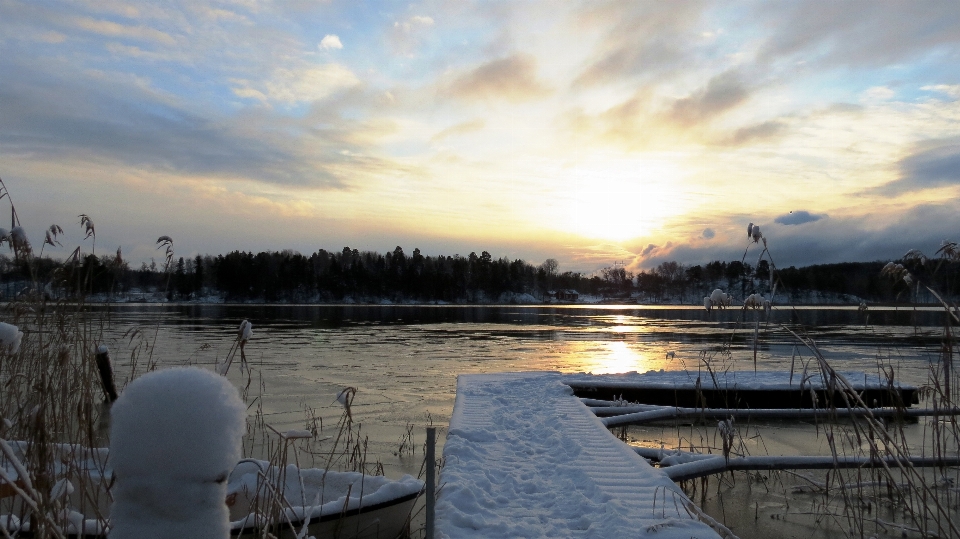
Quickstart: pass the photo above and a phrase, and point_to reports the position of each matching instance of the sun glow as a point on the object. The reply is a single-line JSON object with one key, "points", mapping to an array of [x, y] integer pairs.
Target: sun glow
{"points": [[620, 200]]}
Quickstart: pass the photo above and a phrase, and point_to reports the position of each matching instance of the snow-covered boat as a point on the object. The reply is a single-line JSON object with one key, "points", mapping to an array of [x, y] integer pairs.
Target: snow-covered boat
{"points": [[341, 505]]}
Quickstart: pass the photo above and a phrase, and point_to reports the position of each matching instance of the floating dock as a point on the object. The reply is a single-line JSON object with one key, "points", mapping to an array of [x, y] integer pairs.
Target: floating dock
{"points": [[525, 458], [743, 389]]}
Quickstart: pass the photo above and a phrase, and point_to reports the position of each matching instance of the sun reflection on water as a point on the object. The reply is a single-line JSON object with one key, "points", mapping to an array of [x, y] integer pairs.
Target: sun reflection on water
{"points": [[613, 357]]}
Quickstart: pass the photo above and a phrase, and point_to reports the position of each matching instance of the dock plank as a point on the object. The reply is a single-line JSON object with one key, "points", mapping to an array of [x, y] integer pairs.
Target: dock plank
{"points": [[525, 458]]}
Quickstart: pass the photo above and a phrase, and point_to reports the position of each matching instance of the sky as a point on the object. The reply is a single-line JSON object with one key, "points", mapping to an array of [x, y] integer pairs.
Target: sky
{"points": [[589, 132]]}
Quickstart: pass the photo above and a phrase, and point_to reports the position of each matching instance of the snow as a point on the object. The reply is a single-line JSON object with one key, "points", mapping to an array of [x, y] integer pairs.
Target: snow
{"points": [[18, 238], [524, 458], [10, 337], [175, 437], [245, 331], [743, 380], [67, 460]]}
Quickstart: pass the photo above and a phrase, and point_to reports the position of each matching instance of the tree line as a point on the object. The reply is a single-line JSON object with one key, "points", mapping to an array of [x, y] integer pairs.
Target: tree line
{"points": [[351, 274], [323, 276]]}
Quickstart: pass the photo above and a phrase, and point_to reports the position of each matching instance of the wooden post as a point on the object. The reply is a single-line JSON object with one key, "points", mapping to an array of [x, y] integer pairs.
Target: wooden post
{"points": [[431, 480], [106, 374]]}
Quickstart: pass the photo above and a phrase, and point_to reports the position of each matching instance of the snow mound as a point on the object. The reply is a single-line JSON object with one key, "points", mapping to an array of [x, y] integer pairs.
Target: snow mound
{"points": [[174, 438]]}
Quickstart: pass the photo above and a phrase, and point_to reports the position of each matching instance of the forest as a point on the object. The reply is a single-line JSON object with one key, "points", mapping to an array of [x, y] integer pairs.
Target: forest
{"points": [[368, 276]]}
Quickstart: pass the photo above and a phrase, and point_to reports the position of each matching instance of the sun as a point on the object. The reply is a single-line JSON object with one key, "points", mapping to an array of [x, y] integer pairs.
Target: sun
{"points": [[621, 200]]}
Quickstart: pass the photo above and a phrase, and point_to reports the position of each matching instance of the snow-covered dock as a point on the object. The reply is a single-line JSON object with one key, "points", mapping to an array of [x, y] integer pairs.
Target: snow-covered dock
{"points": [[525, 458], [741, 389]]}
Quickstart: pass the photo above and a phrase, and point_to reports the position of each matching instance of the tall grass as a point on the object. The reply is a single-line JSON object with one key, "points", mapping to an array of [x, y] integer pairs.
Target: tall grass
{"points": [[54, 407], [887, 496], [51, 398]]}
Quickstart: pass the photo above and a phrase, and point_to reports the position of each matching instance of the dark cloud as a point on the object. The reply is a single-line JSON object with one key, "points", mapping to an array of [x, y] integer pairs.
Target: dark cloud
{"points": [[857, 33], [933, 164], [833, 240], [798, 217], [61, 113], [708, 234], [513, 78], [722, 93]]}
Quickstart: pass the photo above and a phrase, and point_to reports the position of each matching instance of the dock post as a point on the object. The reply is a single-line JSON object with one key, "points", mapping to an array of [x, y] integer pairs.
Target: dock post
{"points": [[431, 480]]}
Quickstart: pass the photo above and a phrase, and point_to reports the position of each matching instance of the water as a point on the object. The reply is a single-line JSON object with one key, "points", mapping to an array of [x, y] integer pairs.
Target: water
{"points": [[404, 360]]}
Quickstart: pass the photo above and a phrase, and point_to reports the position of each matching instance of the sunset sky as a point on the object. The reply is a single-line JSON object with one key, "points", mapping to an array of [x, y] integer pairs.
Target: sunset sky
{"points": [[590, 132]]}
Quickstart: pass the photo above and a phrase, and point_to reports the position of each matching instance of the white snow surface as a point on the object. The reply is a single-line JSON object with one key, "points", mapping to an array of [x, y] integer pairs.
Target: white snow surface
{"points": [[525, 458], [745, 380], [174, 437]]}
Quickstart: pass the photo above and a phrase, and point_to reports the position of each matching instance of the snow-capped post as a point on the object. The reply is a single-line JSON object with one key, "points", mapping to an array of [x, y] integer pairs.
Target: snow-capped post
{"points": [[105, 367], [431, 466], [174, 438]]}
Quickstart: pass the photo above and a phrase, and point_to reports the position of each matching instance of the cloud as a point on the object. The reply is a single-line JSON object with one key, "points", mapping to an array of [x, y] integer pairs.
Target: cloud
{"points": [[116, 30], [935, 163], [298, 85], [722, 93], [758, 132], [512, 78], [406, 36], [708, 234], [642, 39], [420, 20], [885, 233], [648, 250], [951, 90], [64, 115], [52, 37], [845, 33], [330, 41], [460, 129], [798, 217]]}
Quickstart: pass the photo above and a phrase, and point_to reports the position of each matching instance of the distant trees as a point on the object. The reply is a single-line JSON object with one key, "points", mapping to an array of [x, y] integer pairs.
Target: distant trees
{"points": [[336, 275], [618, 281], [673, 281], [331, 276]]}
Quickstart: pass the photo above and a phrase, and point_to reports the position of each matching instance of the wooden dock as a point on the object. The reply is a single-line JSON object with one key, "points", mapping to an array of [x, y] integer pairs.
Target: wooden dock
{"points": [[525, 458], [749, 389]]}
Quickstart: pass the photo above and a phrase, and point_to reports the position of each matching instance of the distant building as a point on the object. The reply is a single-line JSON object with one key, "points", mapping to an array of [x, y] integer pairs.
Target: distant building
{"points": [[568, 295]]}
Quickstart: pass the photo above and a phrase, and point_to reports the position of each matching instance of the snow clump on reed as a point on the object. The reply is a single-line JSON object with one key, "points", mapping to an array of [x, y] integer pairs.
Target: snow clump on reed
{"points": [[718, 298], [10, 337]]}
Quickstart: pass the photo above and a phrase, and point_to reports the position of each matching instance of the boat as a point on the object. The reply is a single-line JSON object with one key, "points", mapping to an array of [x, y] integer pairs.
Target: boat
{"points": [[342, 505], [260, 497]]}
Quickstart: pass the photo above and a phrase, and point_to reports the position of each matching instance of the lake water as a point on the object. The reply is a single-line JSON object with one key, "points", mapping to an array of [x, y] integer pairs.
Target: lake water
{"points": [[404, 360]]}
